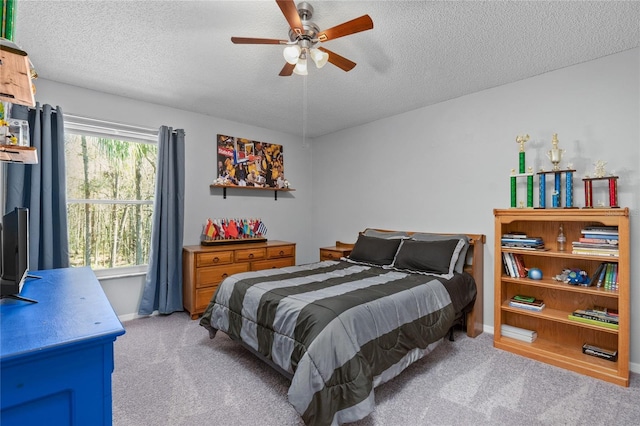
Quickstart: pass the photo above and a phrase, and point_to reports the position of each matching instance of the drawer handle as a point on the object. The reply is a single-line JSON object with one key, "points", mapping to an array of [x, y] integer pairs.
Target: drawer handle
{"points": [[216, 259], [281, 252], [251, 256], [330, 255], [225, 275]]}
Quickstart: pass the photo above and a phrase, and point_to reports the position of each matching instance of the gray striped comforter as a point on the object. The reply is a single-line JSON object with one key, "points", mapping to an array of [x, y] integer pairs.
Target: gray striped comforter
{"points": [[339, 328]]}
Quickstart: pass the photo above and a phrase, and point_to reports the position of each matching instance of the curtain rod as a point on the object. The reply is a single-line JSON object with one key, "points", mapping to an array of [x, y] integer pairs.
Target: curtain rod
{"points": [[96, 126]]}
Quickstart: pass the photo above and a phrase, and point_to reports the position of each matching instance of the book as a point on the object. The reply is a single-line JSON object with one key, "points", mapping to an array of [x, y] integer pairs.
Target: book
{"points": [[509, 265], [518, 333], [603, 271], [600, 230], [592, 322], [601, 318], [514, 234], [595, 252], [528, 306], [523, 298], [594, 245], [596, 275], [519, 260], [609, 241], [608, 237], [608, 354]]}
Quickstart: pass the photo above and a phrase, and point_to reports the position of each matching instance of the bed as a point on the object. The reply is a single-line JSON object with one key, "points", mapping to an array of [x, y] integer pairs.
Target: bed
{"points": [[339, 328]]}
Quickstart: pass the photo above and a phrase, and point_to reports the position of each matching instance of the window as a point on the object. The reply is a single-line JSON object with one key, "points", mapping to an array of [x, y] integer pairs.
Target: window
{"points": [[111, 173]]}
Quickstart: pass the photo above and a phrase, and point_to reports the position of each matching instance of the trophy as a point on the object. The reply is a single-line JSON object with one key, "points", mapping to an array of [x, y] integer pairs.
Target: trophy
{"points": [[555, 154]]}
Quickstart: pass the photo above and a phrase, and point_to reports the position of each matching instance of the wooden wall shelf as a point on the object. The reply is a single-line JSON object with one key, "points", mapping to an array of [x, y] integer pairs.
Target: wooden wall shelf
{"points": [[251, 188], [15, 75], [18, 154]]}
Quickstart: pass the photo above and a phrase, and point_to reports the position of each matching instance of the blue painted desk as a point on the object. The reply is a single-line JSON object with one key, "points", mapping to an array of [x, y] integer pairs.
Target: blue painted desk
{"points": [[56, 356]]}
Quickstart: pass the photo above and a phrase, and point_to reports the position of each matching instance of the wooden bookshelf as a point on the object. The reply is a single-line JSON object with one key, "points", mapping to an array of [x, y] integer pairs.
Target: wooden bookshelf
{"points": [[560, 339]]}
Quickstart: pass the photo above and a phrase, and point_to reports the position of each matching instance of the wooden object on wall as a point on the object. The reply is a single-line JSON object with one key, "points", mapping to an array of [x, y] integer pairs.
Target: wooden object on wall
{"points": [[18, 154], [15, 76]]}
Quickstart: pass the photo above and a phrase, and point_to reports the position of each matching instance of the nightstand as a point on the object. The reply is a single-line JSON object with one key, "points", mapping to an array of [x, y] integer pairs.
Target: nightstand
{"points": [[336, 252]]}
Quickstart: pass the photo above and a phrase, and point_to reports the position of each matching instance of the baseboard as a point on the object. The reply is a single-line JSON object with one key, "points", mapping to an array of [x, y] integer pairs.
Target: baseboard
{"points": [[129, 317]]}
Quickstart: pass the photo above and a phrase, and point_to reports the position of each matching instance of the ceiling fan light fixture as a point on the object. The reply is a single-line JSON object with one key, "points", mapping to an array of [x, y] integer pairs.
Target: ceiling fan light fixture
{"points": [[291, 54], [319, 57], [301, 67]]}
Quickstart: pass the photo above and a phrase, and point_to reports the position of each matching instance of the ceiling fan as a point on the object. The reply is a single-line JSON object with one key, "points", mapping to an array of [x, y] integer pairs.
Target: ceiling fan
{"points": [[304, 35]]}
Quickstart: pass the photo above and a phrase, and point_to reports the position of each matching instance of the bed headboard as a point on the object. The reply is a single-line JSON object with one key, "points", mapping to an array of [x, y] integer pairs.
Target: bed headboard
{"points": [[474, 265]]}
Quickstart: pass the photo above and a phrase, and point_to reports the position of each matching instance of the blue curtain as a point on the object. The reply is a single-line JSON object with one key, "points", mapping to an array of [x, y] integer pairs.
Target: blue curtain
{"points": [[42, 188], [163, 284]]}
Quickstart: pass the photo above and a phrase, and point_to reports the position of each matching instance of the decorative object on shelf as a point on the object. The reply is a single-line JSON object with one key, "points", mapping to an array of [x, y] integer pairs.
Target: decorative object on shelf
{"points": [[521, 139], [244, 162], [535, 274], [561, 240], [233, 230], [599, 173], [555, 154]]}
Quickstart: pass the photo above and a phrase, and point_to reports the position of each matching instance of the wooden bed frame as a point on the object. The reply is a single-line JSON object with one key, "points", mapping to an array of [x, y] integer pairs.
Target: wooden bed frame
{"points": [[473, 265]]}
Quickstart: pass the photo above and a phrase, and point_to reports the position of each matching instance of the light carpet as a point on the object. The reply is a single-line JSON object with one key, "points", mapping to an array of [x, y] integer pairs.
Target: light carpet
{"points": [[168, 372]]}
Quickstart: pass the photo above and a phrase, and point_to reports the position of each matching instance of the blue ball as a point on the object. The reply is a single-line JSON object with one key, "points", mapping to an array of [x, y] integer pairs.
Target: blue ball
{"points": [[535, 274]]}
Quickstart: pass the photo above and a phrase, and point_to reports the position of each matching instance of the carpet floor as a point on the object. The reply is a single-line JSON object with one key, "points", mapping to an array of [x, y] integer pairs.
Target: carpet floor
{"points": [[168, 372]]}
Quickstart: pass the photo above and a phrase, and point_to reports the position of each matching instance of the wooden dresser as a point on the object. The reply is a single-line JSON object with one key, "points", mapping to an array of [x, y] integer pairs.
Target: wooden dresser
{"points": [[204, 267]]}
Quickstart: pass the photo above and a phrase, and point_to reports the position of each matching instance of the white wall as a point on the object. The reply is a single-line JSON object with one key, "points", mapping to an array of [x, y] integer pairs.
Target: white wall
{"points": [[445, 168], [288, 218]]}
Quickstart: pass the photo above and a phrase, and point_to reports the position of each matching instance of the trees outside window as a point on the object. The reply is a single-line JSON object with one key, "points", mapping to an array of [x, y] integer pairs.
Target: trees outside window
{"points": [[110, 190]]}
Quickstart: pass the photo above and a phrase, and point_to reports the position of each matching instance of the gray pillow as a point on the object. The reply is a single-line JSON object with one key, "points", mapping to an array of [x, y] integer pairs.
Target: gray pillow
{"points": [[385, 234], [437, 257], [377, 251], [462, 257]]}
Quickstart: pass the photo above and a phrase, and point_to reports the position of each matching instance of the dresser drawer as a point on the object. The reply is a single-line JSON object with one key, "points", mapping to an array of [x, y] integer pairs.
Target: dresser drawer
{"points": [[206, 277], [214, 258], [282, 251], [246, 255], [326, 254], [272, 263], [203, 297]]}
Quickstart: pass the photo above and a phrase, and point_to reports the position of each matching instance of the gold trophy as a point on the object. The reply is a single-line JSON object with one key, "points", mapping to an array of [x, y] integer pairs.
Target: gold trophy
{"points": [[555, 154]]}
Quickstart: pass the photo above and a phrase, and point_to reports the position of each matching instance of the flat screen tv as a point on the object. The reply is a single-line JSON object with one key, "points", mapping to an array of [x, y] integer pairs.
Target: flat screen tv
{"points": [[15, 253]]}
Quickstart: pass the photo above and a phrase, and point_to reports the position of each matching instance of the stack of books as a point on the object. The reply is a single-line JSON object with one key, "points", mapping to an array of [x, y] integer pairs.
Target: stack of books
{"points": [[520, 240], [596, 316], [518, 333], [597, 241], [606, 276], [526, 302]]}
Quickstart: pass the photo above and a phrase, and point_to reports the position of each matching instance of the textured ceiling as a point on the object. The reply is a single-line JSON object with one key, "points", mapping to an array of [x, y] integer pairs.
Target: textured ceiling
{"points": [[179, 53]]}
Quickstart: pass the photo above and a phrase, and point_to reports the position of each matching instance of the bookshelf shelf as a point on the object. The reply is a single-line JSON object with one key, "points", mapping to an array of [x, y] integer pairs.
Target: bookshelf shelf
{"points": [[560, 339]]}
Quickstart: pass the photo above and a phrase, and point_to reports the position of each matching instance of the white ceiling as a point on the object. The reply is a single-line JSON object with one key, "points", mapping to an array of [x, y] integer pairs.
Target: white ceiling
{"points": [[178, 53]]}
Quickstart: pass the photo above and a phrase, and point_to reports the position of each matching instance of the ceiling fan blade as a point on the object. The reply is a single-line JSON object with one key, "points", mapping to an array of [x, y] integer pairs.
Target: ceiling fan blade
{"points": [[287, 70], [250, 40], [339, 61], [362, 23], [290, 12]]}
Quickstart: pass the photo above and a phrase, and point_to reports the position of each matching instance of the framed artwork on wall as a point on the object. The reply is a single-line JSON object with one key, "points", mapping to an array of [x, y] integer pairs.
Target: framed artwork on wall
{"points": [[244, 162]]}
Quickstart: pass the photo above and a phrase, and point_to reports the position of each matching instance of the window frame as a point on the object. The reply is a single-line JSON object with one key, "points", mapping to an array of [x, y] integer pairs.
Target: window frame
{"points": [[80, 125]]}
